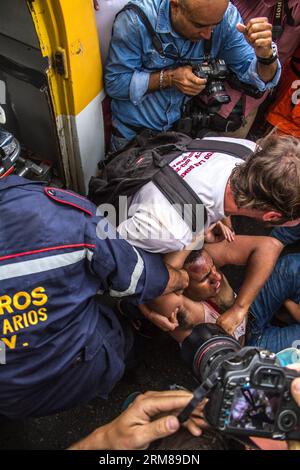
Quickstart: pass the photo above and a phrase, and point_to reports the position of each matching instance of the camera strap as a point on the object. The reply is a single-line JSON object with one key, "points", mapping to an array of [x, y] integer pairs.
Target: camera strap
{"points": [[157, 43], [281, 8], [207, 48], [199, 394]]}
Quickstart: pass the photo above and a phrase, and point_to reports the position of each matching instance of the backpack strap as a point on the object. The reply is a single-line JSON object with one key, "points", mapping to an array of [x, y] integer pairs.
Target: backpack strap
{"points": [[178, 192], [180, 195], [230, 148]]}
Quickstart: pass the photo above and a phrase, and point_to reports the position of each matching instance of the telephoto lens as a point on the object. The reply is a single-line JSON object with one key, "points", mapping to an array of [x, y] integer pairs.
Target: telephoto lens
{"points": [[205, 349]]}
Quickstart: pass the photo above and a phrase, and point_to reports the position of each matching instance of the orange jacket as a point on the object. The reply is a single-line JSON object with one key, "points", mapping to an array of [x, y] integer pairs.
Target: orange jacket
{"points": [[285, 111]]}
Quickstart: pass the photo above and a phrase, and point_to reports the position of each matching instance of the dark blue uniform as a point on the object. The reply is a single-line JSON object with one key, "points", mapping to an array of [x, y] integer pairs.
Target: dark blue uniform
{"points": [[62, 347]]}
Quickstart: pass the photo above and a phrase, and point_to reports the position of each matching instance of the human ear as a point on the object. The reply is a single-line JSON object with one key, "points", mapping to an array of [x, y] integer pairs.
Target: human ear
{"points": [[271, 216]]}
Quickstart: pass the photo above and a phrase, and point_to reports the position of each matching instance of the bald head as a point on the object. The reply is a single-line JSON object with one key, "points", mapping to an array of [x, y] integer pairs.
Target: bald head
{"points": [[195, 19], [209, 10]]}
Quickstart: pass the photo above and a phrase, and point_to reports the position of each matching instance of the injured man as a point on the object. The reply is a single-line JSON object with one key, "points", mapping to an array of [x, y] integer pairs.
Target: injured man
{"points": [[209, 295]]}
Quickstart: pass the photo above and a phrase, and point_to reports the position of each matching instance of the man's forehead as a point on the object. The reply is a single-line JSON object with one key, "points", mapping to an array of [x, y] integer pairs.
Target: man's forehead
{"points": [[203, 265]]}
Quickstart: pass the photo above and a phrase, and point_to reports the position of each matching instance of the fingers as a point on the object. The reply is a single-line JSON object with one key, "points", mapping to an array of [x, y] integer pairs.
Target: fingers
{"points": [[173, 400], [187, 82], [154, 403], [96, 4], [193, 428], [258, 24], [196, 421], [182, 393], [228, 234], [241, 28], [157, 429], [229, 326], [296, 390], [258, 33], [294, 367], [165, 324]]}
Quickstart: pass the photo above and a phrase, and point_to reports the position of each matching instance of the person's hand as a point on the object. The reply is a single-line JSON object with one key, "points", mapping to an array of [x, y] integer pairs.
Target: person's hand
{"points": [[186, 81], [96, 4], [231, 319], [219, 232], [163, 323], [258, 33], [295, 390], [151, 416], [227, 232]]}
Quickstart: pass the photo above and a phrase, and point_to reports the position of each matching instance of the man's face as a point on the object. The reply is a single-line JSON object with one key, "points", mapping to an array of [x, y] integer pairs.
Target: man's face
{"points": [[195, 19], [205, 280]]}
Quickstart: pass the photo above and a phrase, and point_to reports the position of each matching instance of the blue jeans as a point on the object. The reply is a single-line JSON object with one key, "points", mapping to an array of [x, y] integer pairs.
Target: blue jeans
{"points": [[283, 284]]}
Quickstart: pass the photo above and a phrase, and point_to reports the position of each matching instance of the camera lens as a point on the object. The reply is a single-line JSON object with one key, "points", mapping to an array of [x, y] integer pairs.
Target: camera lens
{"points": [[287, 420], [217, 95], [204, 350]]}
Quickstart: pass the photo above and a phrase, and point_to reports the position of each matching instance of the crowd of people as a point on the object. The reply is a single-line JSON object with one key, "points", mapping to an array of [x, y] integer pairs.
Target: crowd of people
{"points": [[64, 346]]}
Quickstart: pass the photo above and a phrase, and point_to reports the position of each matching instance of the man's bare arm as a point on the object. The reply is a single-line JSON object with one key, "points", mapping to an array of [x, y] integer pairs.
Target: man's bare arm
{"points": [[240, 251], [260, 254]]}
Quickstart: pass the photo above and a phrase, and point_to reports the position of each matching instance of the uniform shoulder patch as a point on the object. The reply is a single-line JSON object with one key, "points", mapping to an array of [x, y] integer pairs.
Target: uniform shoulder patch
{"points": [[63, 196]]}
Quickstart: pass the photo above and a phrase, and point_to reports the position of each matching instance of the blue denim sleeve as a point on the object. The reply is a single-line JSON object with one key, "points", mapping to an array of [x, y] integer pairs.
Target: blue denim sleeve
{"points": [[239, 55], [124, 75], [287, 235]]}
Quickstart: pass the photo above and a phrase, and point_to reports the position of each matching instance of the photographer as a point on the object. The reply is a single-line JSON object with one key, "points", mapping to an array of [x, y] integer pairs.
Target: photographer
{"points": [[137, 427], [148, 87]]}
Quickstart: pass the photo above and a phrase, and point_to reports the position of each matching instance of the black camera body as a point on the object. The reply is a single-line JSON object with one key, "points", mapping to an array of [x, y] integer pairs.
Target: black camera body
{"points": [[253, 398], [216, 73], [251, 393]]}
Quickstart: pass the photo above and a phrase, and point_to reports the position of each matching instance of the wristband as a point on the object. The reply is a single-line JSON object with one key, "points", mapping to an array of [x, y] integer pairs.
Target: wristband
{"points": [[269, 60], [161, 80]]}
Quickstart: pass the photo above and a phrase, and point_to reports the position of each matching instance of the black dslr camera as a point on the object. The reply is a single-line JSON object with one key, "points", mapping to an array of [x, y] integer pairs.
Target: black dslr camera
{"points": [[249, 392], [216, 73]]}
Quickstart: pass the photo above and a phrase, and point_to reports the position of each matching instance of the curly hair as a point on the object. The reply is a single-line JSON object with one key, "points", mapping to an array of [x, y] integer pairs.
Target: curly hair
{"points": [[270, 178]]}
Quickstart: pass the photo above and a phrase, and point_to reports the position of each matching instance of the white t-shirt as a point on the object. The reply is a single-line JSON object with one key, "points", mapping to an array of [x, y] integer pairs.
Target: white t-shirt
{"points": [[155, 225]]}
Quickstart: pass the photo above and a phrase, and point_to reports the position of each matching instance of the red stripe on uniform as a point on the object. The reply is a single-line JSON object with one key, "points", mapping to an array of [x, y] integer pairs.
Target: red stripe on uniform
{"points": [[44, 250]]}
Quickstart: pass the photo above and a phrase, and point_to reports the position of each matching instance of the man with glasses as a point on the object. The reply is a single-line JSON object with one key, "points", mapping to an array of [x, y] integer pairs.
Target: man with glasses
{"points": [[149, 68]]}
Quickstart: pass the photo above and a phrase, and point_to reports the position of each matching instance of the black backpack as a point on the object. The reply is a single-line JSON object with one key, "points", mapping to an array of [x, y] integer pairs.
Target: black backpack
{"points": [[147, 158]]}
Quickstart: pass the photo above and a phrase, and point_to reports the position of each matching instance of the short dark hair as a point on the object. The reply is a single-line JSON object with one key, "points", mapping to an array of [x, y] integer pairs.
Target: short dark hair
{"points": [[193, 256], [270, 178]]}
